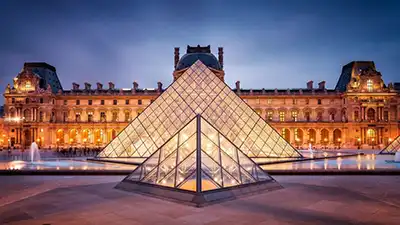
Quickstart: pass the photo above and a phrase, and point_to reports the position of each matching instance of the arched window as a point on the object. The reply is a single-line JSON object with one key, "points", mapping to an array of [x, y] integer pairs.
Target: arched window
{"points": [[28, 85], [90, 117], [370, 85], [294, 115], [114, 116], [27, 114], [371, 114], [127, 116]]}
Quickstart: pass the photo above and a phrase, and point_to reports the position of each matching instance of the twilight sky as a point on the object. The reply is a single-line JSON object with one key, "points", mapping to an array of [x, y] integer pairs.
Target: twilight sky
{"points": [[270, 44]]}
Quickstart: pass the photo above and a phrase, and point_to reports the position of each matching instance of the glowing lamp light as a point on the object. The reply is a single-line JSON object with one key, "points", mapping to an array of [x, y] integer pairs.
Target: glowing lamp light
{"points": [[311, 139], [326, 139], [390, 140], [58, 139], [338, 139], [359, 139]]}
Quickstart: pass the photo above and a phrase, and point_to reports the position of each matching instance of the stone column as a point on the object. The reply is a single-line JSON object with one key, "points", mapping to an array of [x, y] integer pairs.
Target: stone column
{"points": [[362, 135], [317, 136]]}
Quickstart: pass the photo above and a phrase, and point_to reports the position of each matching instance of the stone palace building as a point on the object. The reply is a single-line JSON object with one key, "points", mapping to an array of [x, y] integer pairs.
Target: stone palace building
{"points": [[361, 111]]}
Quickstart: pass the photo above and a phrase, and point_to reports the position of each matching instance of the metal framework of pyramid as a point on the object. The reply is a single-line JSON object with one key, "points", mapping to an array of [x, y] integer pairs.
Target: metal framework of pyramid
{"points": [[198, 91], [198, 166], [392, 147]]}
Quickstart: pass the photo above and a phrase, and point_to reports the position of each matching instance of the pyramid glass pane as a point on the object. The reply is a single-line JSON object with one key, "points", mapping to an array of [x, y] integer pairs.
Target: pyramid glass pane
{"points": [[217, 161], [199, 91], [392, 147]]}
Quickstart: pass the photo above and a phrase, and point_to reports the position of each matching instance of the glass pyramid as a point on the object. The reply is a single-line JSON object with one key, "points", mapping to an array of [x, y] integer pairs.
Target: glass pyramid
{"points": [[198, 159], [198, 91], [393, 147]]}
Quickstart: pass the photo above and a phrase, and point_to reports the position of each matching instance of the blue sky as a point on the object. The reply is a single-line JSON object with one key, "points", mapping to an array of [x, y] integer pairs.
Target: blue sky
{"points": [[267, 44]]}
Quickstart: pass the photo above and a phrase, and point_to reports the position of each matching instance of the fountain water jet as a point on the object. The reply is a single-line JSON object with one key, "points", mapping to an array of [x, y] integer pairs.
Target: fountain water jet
{"points": [[35, 155]]}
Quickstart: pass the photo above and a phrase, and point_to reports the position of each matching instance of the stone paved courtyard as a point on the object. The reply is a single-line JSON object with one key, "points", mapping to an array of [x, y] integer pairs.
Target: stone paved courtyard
{"points": [[304, 200]]}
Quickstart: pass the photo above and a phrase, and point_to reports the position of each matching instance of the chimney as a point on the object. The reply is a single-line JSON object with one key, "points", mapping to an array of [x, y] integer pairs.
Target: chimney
{"points": [[75, 86], [99, 86], [321, 85], [87, 86], [221, 56], [159, 87], [237, 85], [310, 84], [176, 59], [135, 85], [111, 85]]}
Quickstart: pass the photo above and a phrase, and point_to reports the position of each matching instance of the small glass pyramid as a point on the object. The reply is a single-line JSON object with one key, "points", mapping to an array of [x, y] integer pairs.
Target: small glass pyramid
{"points": [[198, 91], [198, 159], [392, 147]]}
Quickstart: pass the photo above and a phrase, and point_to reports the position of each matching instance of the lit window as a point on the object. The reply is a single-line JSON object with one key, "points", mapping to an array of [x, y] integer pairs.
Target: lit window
{"points": [[282, 116], [90, 116], [269, 115], [28, 85], [294, 116], [269, 101], [370, 85], [294, 101]]}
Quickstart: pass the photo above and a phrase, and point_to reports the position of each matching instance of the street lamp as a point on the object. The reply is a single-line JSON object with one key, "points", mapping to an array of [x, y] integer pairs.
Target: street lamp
{"points": [[326, 143], [359, 143], [339, 140]]}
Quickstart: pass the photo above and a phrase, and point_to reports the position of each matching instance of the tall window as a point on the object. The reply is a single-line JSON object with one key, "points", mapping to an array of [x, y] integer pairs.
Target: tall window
{"points": [[90, 102], [103, 117], [13, 100], [127, 116], [282, 116], [319, 101], [90, 117], [294, 116], [41, 116], [65, 102], [269, 101], [65, 117], [101, 102], [385, 116], [269, 115], [78, 102], [356, 116], [307, 116], [371, 114], [115, 102], [319, 116], [127, 102], [139, 102], [41, 100], [294, 101], [307, 101], [114, 116], [78, 117], [28, 85], [370, 85]]}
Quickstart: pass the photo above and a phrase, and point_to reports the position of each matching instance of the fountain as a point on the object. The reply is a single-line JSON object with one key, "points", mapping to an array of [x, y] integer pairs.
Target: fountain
{"points": [[35, 155], [397, 157], [311, 150]]}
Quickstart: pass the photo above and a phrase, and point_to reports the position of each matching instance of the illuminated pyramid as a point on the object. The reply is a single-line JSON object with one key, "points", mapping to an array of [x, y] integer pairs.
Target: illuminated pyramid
{"points": [[198, 91], [393, 147], [198, 166]]}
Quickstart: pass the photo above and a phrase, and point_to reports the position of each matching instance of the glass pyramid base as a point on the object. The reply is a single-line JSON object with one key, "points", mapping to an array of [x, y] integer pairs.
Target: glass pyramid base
{"points": [[199, 199]]}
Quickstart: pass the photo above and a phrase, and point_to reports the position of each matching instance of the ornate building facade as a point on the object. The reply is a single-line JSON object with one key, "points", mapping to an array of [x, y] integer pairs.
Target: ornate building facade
{"points": [[361, 111]]}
